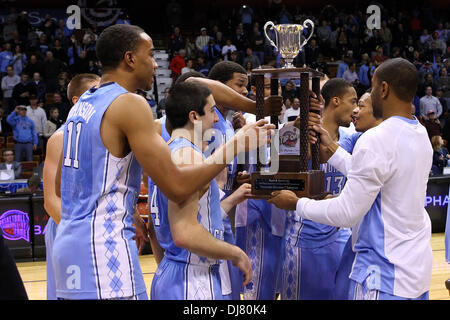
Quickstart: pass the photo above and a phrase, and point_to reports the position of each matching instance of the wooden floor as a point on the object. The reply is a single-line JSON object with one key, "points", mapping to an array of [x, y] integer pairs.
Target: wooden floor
{"points": [[34, 273]]}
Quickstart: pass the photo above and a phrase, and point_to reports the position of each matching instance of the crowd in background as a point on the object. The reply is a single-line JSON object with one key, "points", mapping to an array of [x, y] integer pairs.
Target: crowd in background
{"points": [[36, 63]]}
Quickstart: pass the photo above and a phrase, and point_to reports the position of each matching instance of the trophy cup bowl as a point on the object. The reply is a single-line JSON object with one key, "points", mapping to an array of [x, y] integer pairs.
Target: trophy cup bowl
{"points": [[288, 39]]}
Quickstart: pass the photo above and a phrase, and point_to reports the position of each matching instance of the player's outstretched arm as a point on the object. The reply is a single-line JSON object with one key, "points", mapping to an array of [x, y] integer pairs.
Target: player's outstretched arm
{"points": [[132, 116], [226, 96], [52, 202], [187, 233]]}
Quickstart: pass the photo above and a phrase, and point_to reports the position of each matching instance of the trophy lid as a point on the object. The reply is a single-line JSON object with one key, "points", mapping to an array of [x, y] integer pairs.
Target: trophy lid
{"points": [[287, 73]]}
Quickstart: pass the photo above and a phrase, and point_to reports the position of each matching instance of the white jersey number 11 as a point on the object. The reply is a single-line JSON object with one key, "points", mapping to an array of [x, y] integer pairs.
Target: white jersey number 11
{"points": [[67, 159]]}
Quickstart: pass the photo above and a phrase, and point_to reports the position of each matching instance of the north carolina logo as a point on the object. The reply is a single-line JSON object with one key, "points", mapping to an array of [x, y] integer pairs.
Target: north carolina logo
{"points": [[15, 225], [289, 139]]}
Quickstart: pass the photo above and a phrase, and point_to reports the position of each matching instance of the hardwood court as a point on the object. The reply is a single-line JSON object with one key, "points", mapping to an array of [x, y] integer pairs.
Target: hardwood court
{"points": [[34, 273]]}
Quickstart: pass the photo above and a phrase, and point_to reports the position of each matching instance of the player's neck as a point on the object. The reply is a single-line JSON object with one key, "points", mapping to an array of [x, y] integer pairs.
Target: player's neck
{"points": [[331, 125], [188, 134], [402, 109], [121, 78]]}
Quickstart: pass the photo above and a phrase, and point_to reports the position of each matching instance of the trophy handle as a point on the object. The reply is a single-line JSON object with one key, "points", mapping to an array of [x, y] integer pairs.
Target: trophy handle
{"points": [[270, 23], [307, 21]]}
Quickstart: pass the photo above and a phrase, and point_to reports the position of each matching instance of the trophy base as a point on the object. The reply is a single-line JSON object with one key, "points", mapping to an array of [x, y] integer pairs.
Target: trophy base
{"points": [[308, 184]]}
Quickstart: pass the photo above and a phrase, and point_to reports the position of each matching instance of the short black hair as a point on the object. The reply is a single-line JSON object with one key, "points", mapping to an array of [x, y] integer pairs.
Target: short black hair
{"points": [[335, 87], [187, 75], [185, 97], [402, 77], [114, 41], [224, 70]]}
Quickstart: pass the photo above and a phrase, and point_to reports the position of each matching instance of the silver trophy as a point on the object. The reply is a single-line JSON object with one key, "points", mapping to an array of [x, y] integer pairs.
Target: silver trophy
{"points": [[288, 41]]}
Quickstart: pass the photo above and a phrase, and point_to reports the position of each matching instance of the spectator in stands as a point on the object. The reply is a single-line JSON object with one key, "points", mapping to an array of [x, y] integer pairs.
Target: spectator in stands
{"points": [[5, 128], [33, 66], [81, 64], [202, 40], [43, 44], [212, 51], [430, 103], [9, 29], [189, 66], [62, 106], [23, 25], [323, 34], [227, 49], [190, 48], [39, 118], [246, 14], [19, 61], [443, 82], [444, 103], [33, 182], [290, 91], [257, 43], [59, 52], [440, 155], [202, 66], [440, 46], [239, 39], [292, 113], [425, 38], [428, 82], [343, 66], [40, 86], [363, 74], [252, 58], [312, 52], [8, 84], [23, 90], [6, 57], [178, 63], [386, 34], [10, 164], [350, 75], [52, 68], [379, 57], [25, 137], [53, 123], [432, 124], [176, 42]]}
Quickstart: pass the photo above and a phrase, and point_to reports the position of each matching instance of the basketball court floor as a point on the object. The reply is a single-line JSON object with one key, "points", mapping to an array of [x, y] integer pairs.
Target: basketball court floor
{"points": [[34, 273]]}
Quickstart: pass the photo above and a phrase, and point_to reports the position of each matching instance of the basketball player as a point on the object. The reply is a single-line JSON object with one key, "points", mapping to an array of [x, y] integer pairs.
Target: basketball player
{"points": [[313, 250], [393, 257], [191, 233], [52, 203], [225, 94], [108, 135], [364, 120]]}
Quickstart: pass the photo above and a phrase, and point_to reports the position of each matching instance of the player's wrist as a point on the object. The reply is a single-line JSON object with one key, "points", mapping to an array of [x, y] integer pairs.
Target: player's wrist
{"points": [[332, 148]]}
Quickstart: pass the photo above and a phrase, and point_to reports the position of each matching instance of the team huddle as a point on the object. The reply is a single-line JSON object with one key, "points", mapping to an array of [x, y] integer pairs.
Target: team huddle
{"points": [[368, 239]]}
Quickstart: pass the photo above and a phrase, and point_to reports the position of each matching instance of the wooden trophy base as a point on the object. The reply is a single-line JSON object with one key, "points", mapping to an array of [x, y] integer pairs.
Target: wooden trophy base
{"points": [[308, 184]]}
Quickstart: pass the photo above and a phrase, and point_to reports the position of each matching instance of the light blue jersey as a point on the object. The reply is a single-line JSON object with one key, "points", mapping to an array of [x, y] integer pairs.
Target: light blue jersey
{"points": [[183, 274], [95, 256], [312, 250], [50, 233], [223, 132], [262, 240]]}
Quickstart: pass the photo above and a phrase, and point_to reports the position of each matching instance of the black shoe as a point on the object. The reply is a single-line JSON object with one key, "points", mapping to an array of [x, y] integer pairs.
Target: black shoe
{"points": [[447, 285]]}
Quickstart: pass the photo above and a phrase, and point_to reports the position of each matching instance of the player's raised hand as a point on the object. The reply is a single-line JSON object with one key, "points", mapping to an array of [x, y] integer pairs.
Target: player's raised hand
{"points": [[254, 135], [244, 264], [284, 199], [273, 105]]}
